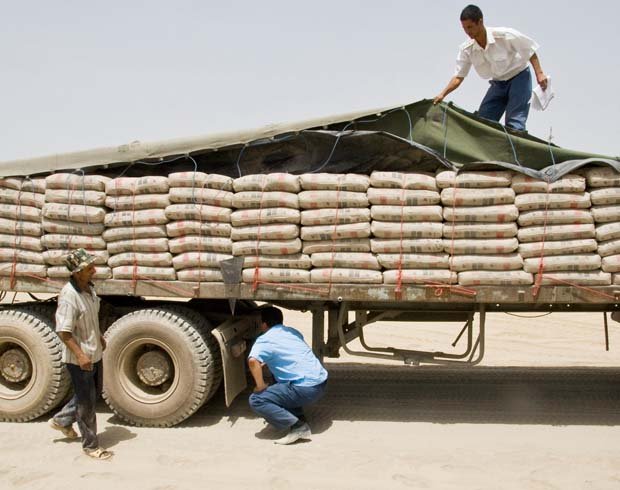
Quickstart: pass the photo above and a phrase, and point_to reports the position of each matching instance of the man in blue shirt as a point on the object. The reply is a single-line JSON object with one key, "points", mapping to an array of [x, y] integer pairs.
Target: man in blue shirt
{"points": [[300, 377]]}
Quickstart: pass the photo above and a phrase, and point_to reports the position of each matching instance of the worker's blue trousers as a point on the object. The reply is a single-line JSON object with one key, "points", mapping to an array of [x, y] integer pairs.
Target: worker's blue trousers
{"points": [[510, 96]]}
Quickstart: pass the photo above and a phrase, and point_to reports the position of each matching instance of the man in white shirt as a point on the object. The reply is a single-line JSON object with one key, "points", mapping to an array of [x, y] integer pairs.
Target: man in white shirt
{"points": [[502, 55], [77, 325]]}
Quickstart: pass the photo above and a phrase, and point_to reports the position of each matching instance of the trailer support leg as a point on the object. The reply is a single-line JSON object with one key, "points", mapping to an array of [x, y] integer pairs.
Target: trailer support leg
{"points": [[318, 332]]}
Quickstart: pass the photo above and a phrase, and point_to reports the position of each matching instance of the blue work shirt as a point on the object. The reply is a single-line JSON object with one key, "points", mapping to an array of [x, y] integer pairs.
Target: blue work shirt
{"points": [[288, 357]]}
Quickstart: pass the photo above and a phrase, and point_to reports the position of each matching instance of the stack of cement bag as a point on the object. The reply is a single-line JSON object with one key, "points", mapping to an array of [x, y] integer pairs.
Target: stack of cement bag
{"points": [[265, 229], [604, 187], [407, 228], [135, 228], [73, 217], [556, 231], [199, 228], [21, 201], [480, 228], [336, 228]]}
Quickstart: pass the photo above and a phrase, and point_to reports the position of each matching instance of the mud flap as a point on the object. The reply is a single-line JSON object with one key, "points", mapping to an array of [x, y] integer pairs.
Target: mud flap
{"points": [[230, 336]]}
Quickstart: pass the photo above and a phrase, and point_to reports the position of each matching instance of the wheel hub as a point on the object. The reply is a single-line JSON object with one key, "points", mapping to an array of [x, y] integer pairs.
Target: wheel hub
{"points": [[15, 366], [154, 368]]}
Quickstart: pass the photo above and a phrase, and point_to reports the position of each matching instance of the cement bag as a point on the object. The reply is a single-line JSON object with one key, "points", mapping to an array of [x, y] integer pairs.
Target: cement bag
{"points": [[555, 217], [503, 213], [27, 213], [406, 213], [474, 230], [346, 260], [128, 186], [326, 182], [200, 275], [402, 197], [605, 214], [414, 261], [212, 197], [526, 202], [270, 232], [138, 201], [420, 276], [134, 232], [15, 227], [267, 274], [267, 247], [335, 232], [136, 218], [267, 182], [11, 196], [560, 247], [481, 246], [145, 259], [569, 183], [149, 245], [495, 278], [500, 262], [200, 180], [257, 199], [616, 279], [611, 263], [23, 242], [198, 212], [344, 245], [22, 270], [609, 195], [400, 180], [555, 232], [296, 261], [573, 263], [386, 229], [23, 184], [58, 240], [603, 177], [477, 197], [71, 227], [345, 276], [57, 257], [75, 181], [591, 278], [329, 199], [265, 216], [187, 227], [23, 256], [78, 196], [609, 231], [78, 213], [333, 216], [471, 179], [408, 245], [144, 273], [195, 243], [190, 260], [57, 272], [611, 247]]}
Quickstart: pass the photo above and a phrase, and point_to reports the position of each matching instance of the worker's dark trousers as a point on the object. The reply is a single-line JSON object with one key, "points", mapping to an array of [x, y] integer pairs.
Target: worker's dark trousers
{"points": [[87, 387], [510, 96], [281, 404]]}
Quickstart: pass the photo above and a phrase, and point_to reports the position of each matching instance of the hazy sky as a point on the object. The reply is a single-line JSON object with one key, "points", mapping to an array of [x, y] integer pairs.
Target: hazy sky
{"points": [[81, 74]]}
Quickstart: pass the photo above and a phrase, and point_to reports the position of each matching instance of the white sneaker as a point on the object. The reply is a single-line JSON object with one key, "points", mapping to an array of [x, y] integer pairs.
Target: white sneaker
{"points": [[294, 435]]}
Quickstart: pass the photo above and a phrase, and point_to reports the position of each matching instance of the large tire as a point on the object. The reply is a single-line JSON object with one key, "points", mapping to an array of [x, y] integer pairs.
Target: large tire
{"points": [[33, 378], [160, 366]]}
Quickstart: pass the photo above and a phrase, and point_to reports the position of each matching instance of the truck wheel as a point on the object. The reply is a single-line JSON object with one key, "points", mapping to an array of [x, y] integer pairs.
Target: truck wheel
{"points": [[160, 365], [33, 378]]}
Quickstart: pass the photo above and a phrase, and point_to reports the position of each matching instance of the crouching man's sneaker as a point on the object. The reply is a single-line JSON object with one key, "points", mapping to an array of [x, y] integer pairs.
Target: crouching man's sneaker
{"points": [[295, 434]]}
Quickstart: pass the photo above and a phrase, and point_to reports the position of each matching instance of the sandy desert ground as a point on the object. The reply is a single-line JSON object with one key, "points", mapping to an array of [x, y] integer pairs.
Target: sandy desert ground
{"points": [[541, 412]]}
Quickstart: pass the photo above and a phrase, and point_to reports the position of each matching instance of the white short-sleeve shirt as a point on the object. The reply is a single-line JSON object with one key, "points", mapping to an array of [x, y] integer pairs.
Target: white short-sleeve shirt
{"points": [[78, 314], [506, 54]]}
